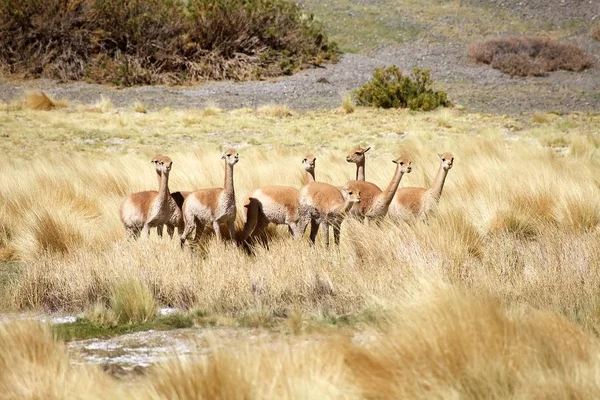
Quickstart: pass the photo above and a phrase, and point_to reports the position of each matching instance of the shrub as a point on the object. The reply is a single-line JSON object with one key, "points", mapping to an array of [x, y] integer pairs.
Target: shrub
{"points": [[131, 42], [529, 55], [390, 89], [595, 32]]}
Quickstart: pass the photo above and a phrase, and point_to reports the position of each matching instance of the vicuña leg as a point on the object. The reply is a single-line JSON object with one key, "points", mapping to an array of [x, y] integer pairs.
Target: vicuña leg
{"points": [[314, 229]]}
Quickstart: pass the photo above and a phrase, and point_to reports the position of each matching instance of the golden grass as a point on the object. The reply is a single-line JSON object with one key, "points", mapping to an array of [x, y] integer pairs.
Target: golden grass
{"points": [[275, 110], [438, 341], [132, 302], [139, 107], [348, 105], [34, 366], [41, 102], [516, 219]]}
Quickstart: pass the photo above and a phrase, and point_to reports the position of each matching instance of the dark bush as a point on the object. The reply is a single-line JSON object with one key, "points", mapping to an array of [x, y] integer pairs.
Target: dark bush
{"points": [[390, 89], [130, 42], [529, 55]]}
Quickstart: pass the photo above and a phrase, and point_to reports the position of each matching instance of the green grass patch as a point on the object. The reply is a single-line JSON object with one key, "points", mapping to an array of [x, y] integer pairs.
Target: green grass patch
{"points": [[86, 329]]}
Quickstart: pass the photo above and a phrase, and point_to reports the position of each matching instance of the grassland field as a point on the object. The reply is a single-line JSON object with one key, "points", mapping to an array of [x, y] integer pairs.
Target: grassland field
{"points": [[516, 235], [495, 296]]}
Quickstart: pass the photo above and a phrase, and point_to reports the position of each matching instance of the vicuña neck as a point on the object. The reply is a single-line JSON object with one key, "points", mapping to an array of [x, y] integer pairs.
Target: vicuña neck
{"points": [[228, 186], [163, 190], [385, 198], [310, 175], [438, 183], [360, 171]]}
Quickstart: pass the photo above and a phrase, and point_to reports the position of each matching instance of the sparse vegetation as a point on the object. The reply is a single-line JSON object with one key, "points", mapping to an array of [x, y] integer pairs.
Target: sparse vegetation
{"points": [[133, 42], [390, 89], [348, 105], [595, 32], [529, 55]]}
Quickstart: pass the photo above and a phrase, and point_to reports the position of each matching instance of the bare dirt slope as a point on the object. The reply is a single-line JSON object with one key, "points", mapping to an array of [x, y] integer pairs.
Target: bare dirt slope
{"points": [[437, 40]]}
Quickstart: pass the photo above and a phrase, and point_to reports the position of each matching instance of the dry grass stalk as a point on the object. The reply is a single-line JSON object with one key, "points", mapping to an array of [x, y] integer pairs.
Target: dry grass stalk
{"points": [[438, 341], [40, 101]]}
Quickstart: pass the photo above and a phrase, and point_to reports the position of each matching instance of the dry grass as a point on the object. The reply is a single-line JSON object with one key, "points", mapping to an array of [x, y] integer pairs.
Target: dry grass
{"points": [[140, 108], [34, 366], [348, 105], [495, 232], [41, 102], [438, 342], [132, 302], [275, 110], [529, 55]]}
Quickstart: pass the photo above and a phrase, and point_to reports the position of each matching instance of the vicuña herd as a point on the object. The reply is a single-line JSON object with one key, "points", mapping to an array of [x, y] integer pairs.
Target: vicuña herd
{"points": [[316, 203]]}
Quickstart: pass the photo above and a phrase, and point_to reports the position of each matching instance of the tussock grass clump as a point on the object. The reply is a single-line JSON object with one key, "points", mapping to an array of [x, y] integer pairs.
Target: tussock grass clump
{"points": [[274, 110], [41, 101], [529, 55], [133, 42], [33, 365], [348, 105], [390, 89], [132, 302], [139, 107]]}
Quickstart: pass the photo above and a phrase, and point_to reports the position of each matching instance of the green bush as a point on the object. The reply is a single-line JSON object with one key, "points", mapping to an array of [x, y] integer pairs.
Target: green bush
{"points": [[390, 89], [131, 42]]}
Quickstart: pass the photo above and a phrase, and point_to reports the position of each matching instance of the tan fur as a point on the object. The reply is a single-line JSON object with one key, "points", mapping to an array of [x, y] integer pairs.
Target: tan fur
{"points": [[357, 156], [212, 206], [148, 209], [274, 204], [374, 201], [414, 202], [321, 203]]}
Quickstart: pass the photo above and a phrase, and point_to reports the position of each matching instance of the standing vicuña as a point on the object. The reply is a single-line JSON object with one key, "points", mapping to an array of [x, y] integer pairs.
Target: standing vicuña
{"points": [[212, 206], [321, 203], [148, 209], [274, 204], [411, 202], [357, 156], [374, 202]]}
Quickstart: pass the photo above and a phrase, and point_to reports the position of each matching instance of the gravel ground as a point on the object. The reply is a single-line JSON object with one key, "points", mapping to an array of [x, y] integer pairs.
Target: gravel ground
{"points": [[476, 86]]}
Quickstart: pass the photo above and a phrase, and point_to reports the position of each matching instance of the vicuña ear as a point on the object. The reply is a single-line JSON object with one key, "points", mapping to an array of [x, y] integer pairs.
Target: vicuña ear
{"points": [[367, 149], [223, 157], [395, 161], [439, 155]]}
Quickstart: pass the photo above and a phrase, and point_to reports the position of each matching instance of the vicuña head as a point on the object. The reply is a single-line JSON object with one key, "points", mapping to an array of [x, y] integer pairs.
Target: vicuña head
{"points": [[404, 164], [351, 194], [447, 160], [162, 164], [231, 156], [308, 163], [357, 156]]}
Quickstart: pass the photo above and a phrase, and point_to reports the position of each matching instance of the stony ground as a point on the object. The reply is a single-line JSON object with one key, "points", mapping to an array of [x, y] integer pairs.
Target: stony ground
{"points": [[475, 86]]}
